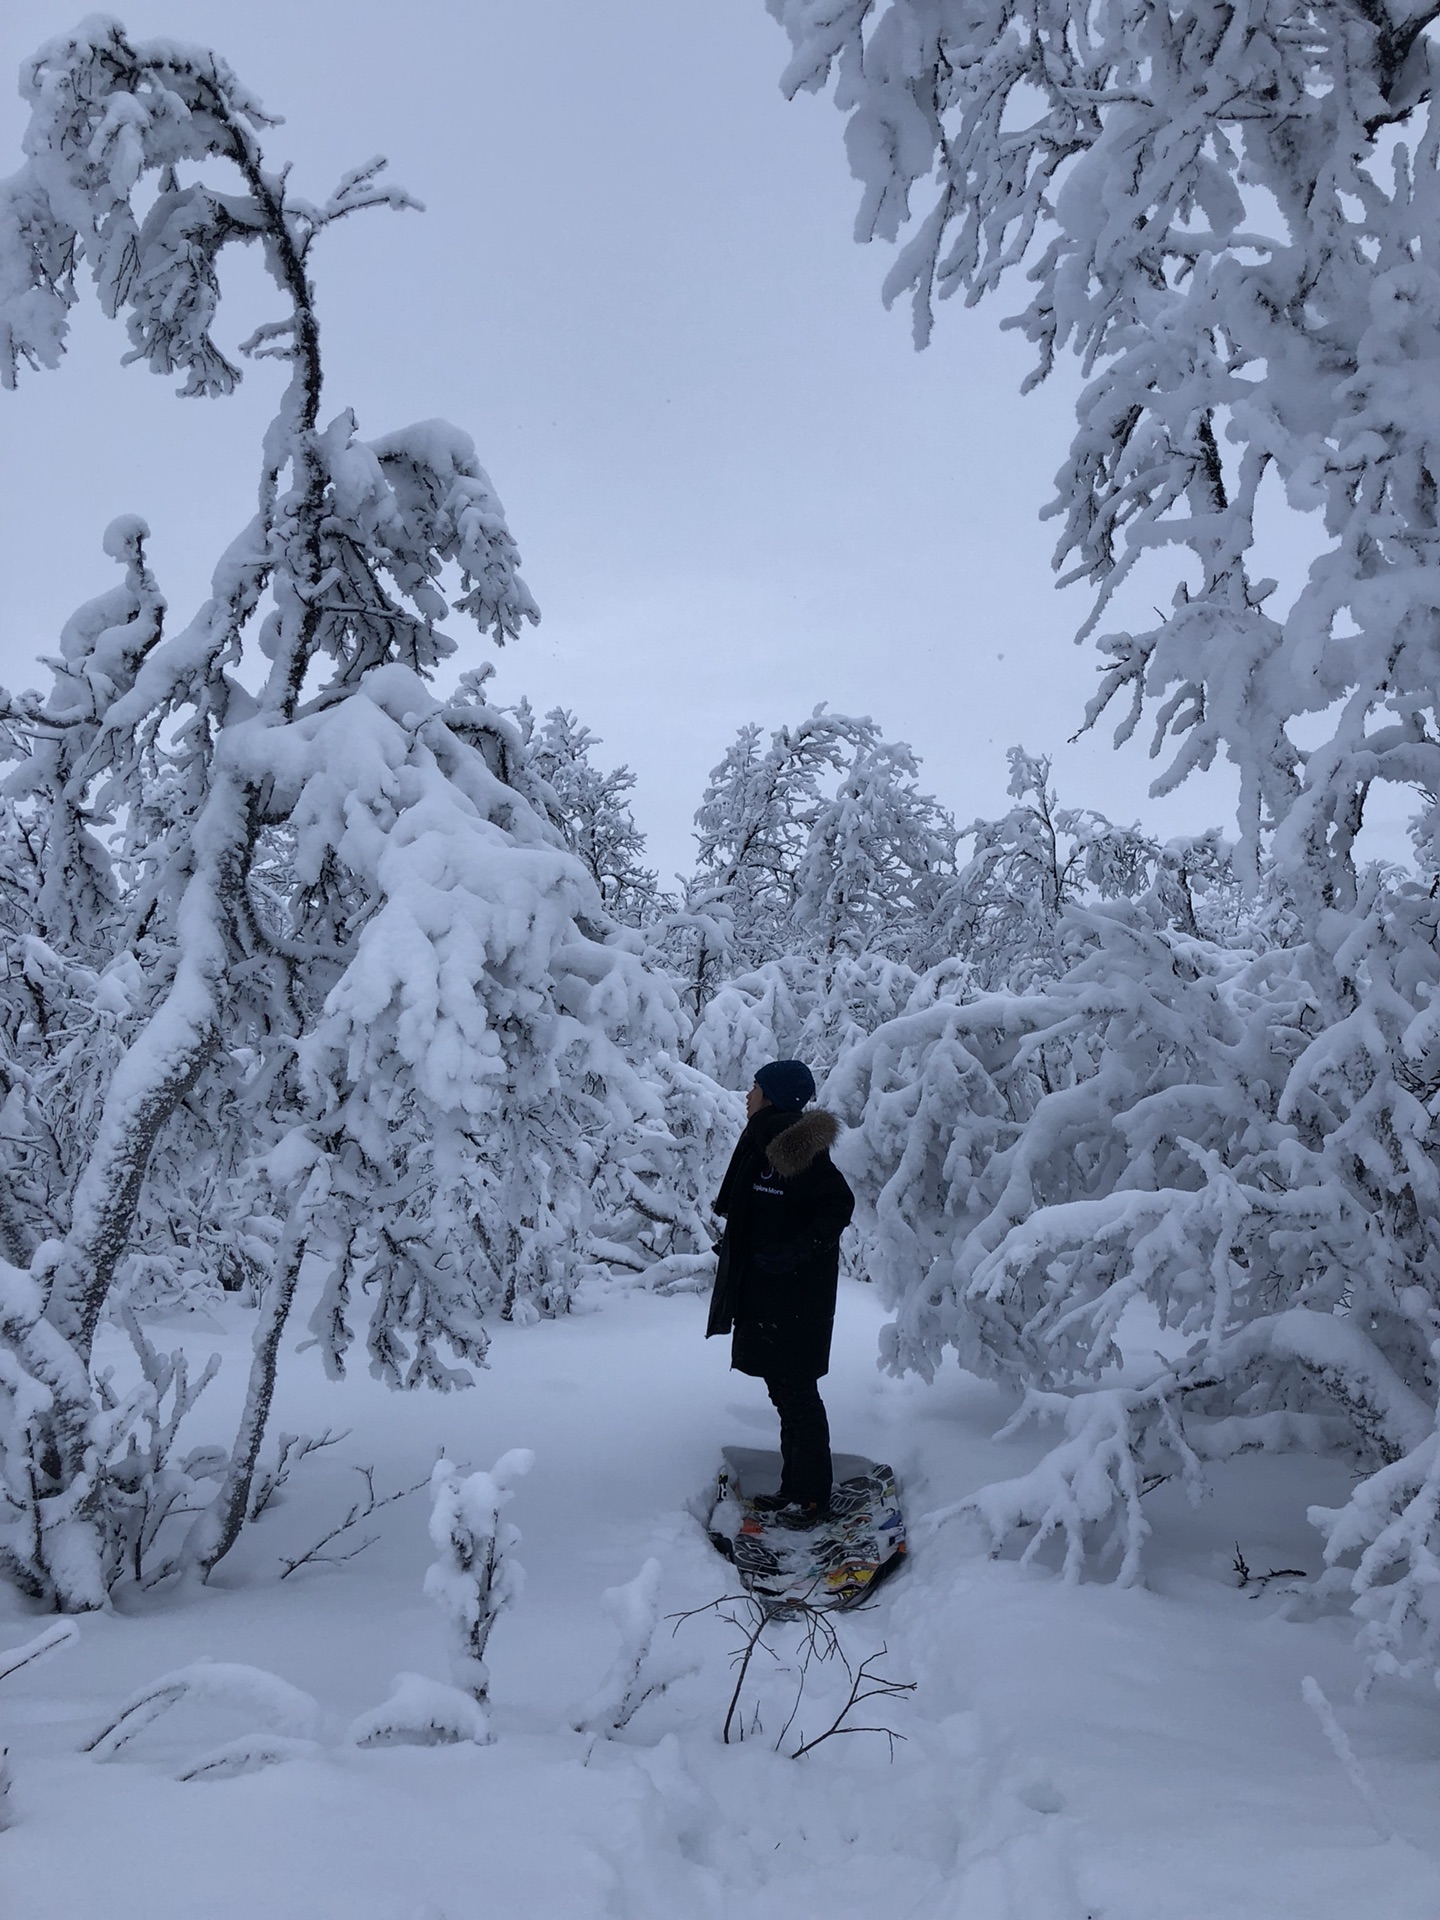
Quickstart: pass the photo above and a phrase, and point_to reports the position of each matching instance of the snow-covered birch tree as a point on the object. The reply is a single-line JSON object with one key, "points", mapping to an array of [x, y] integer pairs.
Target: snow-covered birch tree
{"points": [[326, 933], [821, 863], [750, 831], [1230, 216], [592, 810], [999, 916]]}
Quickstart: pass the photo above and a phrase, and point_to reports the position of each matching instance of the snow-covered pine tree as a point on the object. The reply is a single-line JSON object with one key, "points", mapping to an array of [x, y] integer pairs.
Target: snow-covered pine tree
{"points": [[345, 954], [1231, 218]]}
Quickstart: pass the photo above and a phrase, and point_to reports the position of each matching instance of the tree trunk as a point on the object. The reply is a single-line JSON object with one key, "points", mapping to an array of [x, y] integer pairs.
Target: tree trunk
{"points": [[218, 1528]]}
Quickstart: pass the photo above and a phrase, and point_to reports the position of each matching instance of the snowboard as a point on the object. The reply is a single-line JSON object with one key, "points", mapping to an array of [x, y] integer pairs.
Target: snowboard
{"points": [[833, 1565]]}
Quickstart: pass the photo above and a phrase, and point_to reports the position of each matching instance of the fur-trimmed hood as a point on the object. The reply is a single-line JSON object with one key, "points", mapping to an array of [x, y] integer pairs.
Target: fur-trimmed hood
{"points": [[798, 1147]]}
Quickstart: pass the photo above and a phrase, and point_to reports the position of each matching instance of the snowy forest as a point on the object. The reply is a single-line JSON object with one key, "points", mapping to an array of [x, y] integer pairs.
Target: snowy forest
{"points": [[359, 1065]]}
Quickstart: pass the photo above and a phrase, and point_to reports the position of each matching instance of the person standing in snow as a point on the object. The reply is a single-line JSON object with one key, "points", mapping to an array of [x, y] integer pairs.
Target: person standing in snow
{"points": [[785, 1206]]}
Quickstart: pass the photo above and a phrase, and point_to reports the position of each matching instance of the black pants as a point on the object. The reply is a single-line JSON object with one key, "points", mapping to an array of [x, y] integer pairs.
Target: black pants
{"points": [[804, 1438]]}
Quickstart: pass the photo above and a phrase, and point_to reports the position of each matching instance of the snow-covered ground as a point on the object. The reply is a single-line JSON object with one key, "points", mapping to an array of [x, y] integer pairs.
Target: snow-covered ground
{"points": [[1122, 1755]]}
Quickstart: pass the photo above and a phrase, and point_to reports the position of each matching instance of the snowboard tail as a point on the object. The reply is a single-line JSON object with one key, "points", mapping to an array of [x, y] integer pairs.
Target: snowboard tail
{"points": [[834, 1564]]}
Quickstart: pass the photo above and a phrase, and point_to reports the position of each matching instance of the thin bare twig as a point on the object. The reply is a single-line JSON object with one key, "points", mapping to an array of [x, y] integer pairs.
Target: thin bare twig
{"points": [[821, 1642], [293, 1448], [1245, 1578], [362, 1509], [864, 1685]]}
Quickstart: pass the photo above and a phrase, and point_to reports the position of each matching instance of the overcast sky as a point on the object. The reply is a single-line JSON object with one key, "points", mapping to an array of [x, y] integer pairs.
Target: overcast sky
{"points": [[737, 489]]}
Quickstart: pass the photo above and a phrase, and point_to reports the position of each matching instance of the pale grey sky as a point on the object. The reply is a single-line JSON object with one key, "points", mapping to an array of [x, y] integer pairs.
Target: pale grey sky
{"points": [[737, 489]]}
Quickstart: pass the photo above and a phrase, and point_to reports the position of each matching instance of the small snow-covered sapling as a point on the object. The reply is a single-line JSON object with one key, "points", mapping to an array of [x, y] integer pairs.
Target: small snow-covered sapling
{"points": [[475, 1576]]}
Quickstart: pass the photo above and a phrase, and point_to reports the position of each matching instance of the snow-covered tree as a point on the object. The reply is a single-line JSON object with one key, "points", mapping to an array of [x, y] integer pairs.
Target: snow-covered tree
{"points": [[325, 961], [1231, 218], [876, 855], [821, 888], [750, 829], [475, 1575], [592, 811], [1000, 915], [1171, 1121]]}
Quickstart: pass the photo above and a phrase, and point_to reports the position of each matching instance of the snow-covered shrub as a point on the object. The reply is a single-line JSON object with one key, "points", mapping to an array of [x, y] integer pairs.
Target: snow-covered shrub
{"points": [[62, 1634], [1095, 1476], [476, 1575], [421, 1713], [654, 1186], [1229, 1134], [292, 1717], [1391, 1524]]}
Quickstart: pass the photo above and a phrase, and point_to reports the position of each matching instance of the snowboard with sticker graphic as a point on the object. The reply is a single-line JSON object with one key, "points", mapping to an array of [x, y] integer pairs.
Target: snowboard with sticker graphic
{"points": [[835, 1564]]}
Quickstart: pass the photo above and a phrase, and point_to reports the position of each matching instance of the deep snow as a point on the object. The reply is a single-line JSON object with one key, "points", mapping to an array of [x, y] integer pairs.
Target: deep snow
{"points": [[1124, 1755]]}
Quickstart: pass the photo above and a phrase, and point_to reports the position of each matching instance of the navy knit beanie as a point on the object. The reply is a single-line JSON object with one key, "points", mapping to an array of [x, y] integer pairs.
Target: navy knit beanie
{"points": [[786, 1084]]}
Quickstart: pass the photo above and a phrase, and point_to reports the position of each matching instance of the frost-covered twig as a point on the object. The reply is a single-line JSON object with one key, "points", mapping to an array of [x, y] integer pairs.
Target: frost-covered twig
{"points": [[361, 1509]]}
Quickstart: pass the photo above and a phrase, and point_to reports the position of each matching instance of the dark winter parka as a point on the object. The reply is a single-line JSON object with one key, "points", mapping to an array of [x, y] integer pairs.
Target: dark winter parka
{"points": [[785, 1205]]}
